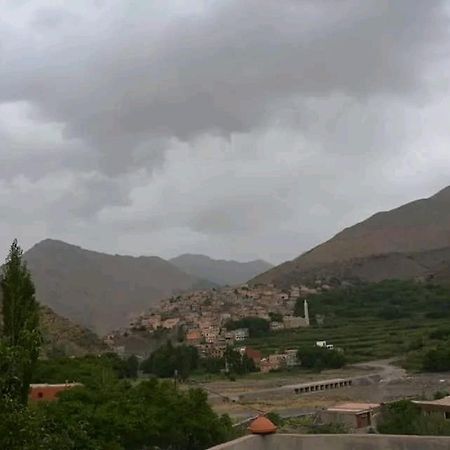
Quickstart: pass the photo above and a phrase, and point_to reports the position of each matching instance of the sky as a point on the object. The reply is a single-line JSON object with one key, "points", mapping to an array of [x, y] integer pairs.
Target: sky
{"points": [[234, 128]]}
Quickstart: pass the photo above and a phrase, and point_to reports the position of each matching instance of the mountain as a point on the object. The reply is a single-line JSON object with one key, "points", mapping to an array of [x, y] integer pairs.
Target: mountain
{"points": [[409, 235], [101, 291], [62, 337], [219, 271]]}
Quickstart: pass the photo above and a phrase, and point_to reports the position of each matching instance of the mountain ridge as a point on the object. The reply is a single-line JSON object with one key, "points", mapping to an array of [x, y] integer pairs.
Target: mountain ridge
{"points": [[220, 271], [419, 226]]}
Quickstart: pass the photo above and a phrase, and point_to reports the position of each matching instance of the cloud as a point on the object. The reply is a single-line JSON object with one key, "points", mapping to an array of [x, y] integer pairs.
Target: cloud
{"points": [[236, 128]]}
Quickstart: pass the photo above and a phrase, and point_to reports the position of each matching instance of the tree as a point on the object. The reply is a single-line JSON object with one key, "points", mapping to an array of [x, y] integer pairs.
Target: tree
{"points": [[169, 358], [132, 366], [320, 358], [257, 326], [21, 335], [404, 417]]}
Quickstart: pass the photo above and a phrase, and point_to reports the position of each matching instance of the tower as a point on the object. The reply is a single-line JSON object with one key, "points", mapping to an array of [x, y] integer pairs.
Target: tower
{"points": [[305, 306]]}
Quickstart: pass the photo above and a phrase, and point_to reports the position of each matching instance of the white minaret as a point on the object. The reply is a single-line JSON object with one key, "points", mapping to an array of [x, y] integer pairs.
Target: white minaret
{"points": [[305, 306]]}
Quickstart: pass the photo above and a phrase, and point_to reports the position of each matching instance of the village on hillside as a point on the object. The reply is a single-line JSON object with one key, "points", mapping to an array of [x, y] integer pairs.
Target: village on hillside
{"points": [[202, 319]]}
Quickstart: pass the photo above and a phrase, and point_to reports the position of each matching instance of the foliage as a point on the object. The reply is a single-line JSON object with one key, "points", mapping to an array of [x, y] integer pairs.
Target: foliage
{"points": [[442, 333], [87, 369], [389, 299], [275, 418], [170, 359], [115, 416], [437, 359], [238, 364], [21, 336], [131, 367], [276, 317], [319, 358], [404, 417], [440, 394], [257, 326]]}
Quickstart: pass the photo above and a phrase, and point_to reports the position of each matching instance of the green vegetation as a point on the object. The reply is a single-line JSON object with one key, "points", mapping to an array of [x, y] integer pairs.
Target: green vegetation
{"points": [[319, 358], [183, 361], [404, 417], [257, 327], [437, 359], [86, 369], [170, 360], [307, 425], [21, 339], [355, 321]]}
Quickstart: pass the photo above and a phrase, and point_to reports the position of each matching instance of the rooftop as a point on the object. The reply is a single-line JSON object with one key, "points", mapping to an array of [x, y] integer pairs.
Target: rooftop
{"points": [[441, 402], [352, 407]]}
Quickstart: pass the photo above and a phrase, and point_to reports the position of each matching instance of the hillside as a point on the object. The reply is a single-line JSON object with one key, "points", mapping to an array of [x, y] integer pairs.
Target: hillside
{"points": [[417, 227], [97, 290], [62, 337], [220, 271]]}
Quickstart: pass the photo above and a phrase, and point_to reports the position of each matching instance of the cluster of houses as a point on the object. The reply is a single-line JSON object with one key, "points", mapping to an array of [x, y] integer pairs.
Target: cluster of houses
{"points": [[201, 316]]}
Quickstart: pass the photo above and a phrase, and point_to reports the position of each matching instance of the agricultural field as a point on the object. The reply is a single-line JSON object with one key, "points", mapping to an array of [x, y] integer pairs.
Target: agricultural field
{"points": [[392, 318]]}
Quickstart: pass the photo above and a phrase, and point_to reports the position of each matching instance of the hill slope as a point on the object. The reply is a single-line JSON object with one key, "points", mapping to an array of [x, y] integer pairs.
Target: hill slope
{"points": [[220, 271], [62, 337], [97, 290], [419, 226]]}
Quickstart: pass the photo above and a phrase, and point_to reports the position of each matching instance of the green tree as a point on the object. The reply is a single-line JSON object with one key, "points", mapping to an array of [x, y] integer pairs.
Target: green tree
{"points": [[169, 359], [257, 326], [132, 366], [404, 417], [319, 358], [21, 333]]}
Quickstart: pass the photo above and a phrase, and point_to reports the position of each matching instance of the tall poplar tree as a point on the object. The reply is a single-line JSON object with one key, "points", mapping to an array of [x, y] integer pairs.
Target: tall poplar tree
{"points": [[21, 336]]}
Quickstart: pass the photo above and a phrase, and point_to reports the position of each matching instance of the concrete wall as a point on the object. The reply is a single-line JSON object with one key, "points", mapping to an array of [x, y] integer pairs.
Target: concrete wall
{"points": [[336, 442]]}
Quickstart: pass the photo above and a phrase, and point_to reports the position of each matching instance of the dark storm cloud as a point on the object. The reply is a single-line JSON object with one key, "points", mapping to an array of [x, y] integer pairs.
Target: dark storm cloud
{"points": [[224, 71]]}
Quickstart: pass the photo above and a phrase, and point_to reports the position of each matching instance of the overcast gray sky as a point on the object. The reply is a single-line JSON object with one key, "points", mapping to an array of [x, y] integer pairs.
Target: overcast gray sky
{"points": [[233, 128]]}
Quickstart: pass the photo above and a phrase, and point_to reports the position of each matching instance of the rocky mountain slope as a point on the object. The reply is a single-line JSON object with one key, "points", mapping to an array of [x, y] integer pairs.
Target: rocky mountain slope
{"points": [[62, 337], [403, 233], [101, 291], [219, 271]]}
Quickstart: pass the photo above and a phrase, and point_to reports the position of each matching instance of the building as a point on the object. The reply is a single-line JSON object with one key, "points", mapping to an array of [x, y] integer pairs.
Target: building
{"points": [[323, 344], [171, 323], [352, 415], [290, 322], [253, 354], [49, 392], [291, 358], [193, 337], [240, 334], [441, 406], [276, 326]]}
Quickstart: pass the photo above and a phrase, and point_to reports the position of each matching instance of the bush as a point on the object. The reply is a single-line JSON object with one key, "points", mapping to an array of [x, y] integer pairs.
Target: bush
{"points": [[169, 359], [437, 359], [320, 358], [404, 417], [257, 326]]}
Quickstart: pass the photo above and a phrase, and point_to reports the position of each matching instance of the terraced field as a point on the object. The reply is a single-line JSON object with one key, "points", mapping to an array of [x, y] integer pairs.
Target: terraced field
{"points": [[361, 340]]}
